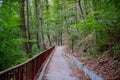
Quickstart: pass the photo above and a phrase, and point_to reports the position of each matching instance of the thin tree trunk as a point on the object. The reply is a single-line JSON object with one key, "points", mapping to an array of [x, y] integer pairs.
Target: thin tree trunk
{"points": [[28, 26], [49, 41], [56, 29], [41, 29], [47, 11], [48, 36], [84, 7], [61, 38], [37, 28], [31, 27], [80, 8], [23, 27], [64, 12], [56, 38], [56, 34], [60, 33], [77, 20]]}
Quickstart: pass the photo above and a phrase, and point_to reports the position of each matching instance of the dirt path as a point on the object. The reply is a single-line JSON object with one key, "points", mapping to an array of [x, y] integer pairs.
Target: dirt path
{"points": [[59, 68]]}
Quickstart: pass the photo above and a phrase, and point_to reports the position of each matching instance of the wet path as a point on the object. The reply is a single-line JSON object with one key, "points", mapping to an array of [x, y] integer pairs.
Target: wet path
{"points": [[58, 67]]}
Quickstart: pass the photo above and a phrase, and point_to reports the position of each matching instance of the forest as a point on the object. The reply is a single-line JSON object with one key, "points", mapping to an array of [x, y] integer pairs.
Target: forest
{"points": [[90, 28]]}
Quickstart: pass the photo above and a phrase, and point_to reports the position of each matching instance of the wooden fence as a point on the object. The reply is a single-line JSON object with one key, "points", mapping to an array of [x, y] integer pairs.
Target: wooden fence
{"points": [[27, 70]]}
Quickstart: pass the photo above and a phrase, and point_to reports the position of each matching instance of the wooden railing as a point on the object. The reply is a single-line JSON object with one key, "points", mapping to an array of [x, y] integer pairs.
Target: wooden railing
{"points": [[27, 70]]}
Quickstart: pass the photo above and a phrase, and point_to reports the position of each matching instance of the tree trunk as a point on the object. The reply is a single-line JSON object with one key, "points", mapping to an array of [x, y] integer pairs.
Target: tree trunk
{"points": [[61, 38], [80, 8], [41, 29], [56, 34], [64, 12], [48, 36], [23, 27], [84, 7], [49, 41], [28, 26], [37, 33], [77, 20]]}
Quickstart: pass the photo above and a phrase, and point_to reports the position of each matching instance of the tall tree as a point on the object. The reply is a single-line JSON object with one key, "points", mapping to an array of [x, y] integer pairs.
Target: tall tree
{"points": [[41, 28], [23, 27], [28, 25], [47, 11], [76, 19], [65, 17], [37, 26]]}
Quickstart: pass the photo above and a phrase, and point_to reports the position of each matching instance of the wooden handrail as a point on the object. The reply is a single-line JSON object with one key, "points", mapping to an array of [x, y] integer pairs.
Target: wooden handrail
{"points": [[27, 70]]}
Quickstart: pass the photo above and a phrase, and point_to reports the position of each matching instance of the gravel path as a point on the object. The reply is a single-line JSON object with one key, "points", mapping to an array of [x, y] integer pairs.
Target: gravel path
{"points": [[58, 67]]}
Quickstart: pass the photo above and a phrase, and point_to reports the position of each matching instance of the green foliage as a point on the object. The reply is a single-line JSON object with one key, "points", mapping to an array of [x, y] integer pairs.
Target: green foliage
{"points": [[69, 41], [73, 37], [11, 54], [35, 51], [81, 42], [100, 17], [10, 42]]}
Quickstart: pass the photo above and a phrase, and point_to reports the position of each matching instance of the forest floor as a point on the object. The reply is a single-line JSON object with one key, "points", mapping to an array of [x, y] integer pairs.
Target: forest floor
{"points": [[104, 65], [60, 68]]}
